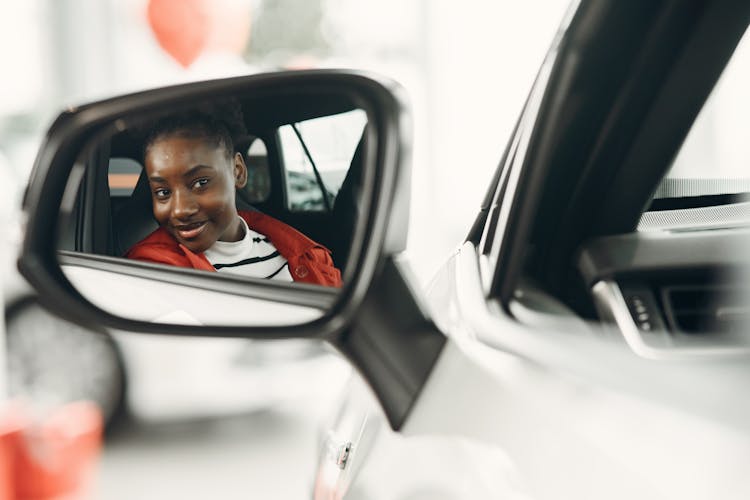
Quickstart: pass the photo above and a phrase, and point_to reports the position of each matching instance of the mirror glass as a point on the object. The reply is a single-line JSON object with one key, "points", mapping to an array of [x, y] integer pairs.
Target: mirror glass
{"points": [[168, 215]]}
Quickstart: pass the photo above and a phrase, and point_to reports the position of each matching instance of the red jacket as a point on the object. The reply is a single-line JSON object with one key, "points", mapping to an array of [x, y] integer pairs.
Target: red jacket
{"points": [[309, 262]]}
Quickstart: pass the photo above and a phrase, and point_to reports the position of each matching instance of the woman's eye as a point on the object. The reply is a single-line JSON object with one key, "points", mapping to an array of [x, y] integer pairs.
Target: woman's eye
{"points": [[200, 183], [161, 193]]}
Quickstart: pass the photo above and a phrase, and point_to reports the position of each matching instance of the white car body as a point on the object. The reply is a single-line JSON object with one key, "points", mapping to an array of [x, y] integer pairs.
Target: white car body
{"points": [[494, 422]]}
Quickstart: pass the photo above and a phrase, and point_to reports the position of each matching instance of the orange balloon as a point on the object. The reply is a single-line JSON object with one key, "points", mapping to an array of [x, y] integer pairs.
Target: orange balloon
{"points": [[181, 27]]}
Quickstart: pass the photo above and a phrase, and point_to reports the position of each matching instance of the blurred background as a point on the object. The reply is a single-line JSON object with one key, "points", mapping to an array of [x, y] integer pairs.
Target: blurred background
{"points": [[466, 67], [467, 70]]}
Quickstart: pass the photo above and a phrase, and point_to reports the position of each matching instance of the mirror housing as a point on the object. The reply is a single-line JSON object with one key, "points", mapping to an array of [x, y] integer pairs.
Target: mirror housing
{"points": [[380, 233]]}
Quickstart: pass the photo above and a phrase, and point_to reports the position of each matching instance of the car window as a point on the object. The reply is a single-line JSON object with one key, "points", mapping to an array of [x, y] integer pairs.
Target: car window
{"points": [[258, 187], [715, 155], [122, 176], [326, 144]]}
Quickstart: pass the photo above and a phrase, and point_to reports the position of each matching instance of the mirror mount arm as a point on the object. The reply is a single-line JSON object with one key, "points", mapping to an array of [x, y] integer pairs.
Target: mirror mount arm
{"points": [[392, 342]]}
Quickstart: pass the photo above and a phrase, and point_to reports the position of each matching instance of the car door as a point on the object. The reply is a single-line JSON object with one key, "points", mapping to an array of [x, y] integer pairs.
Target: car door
{"points": [[549, 387]]}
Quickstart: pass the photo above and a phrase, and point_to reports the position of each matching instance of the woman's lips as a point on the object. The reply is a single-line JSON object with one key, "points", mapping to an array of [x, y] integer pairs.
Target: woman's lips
{"points": [[190, 231]]}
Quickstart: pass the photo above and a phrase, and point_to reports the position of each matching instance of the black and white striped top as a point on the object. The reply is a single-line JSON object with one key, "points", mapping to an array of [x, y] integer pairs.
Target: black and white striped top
{"points": [[254, 256]]}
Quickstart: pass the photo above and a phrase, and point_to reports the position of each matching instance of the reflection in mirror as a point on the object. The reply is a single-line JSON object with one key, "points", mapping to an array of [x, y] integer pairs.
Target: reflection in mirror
{"points": [[262, 189]]}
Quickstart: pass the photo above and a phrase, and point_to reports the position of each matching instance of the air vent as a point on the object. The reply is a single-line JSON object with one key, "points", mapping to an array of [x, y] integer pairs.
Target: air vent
{"points": [[705, 309]]}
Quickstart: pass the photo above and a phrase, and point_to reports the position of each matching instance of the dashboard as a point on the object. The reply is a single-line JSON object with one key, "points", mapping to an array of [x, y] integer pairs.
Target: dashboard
{"points": [[673, 293]]}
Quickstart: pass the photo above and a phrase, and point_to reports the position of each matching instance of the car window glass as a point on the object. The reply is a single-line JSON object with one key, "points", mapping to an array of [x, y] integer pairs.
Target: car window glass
{"points": [[122, 176], [714, 157], [258, 187], [330, 142]]}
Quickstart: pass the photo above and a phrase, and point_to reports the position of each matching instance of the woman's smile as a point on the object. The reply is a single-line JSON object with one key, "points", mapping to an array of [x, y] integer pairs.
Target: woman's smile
{"points": [[190, 231]]}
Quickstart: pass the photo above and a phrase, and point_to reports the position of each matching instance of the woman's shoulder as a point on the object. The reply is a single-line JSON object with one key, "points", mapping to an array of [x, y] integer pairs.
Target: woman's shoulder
{"points": [[284, 237], [160, 237]]}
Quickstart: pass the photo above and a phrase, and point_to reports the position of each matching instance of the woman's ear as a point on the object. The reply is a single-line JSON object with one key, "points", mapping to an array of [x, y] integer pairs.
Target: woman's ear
{"points": [[240, 171]]}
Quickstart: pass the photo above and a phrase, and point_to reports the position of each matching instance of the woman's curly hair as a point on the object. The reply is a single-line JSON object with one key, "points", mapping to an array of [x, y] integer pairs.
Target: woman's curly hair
{"points": [[221, 122]]}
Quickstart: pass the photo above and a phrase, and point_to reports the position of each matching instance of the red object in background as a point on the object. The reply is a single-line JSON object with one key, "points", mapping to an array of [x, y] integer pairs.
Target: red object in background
{"points": [[53, 458], [12, 422], [181, 27], [231, 21]]}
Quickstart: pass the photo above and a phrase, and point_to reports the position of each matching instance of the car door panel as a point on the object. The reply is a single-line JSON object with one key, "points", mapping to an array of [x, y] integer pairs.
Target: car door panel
{"points": [[575, 410], [385, 464]]}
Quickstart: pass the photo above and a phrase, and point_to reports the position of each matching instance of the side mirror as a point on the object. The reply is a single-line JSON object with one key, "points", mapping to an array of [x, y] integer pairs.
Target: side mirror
{"points": [[325, 161]]}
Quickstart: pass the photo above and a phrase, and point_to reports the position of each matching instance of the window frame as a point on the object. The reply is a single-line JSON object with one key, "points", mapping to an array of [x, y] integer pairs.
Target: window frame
{"points": [[680, 39]]}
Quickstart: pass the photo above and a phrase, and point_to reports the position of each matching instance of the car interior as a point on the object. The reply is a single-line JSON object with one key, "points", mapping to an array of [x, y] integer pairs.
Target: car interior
{"points": [[609, 234], [112, 208]]}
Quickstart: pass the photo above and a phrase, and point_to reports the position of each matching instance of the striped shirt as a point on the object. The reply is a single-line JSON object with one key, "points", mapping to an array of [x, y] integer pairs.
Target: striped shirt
{"points": [[254, 256]]}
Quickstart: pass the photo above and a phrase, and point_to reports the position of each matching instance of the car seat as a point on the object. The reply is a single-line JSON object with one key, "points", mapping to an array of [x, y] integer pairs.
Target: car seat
{"points": [[134, 220]]}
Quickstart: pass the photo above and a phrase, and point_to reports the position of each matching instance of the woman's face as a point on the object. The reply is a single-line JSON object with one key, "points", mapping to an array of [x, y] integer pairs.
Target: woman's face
{"points": [[193, 184]]}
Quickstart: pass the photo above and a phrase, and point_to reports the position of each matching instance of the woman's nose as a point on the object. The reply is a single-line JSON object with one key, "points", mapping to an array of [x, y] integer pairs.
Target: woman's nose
{"points": [[184, 204]]}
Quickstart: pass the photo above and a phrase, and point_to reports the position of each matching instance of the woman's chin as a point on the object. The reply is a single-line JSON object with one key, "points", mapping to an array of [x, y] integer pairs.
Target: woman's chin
{"points": [[196, 248], [197, 245]]}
